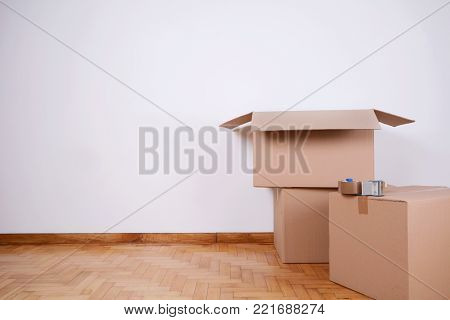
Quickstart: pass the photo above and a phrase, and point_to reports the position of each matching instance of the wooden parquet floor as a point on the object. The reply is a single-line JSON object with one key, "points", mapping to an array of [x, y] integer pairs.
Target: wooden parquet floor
{"points": [[136, 271]]}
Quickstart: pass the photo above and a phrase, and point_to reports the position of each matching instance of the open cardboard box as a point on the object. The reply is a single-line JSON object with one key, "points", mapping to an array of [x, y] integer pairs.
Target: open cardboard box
{"points": [[313, 148]]}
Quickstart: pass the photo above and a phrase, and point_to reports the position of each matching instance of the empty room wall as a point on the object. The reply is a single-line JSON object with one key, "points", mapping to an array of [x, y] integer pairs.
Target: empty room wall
{"points": [[78, 79]]}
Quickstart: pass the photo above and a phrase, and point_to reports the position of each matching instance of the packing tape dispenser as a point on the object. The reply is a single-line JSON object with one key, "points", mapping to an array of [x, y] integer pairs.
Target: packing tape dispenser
{"points": [[373, 188]]}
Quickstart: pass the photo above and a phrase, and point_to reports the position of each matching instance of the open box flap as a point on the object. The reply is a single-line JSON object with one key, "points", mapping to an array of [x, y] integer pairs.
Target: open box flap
{"points": [[391, 119], [236, 122], [364, 119]]}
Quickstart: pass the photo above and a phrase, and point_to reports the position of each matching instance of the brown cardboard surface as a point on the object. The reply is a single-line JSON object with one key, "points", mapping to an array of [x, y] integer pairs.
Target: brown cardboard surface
{"points": [[429, 247], [414, 194], [236, 122], [317, 120], [326, 157], [391, 119], [301, 224], [298, 149], [399, 249], [363, 205]]}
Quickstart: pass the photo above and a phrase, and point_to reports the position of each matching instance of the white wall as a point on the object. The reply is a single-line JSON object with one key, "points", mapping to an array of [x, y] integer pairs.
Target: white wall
{"points": [[69, 133]]}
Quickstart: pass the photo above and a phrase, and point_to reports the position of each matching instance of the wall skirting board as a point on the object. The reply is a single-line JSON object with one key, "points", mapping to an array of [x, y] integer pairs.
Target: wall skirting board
{"points": [[114, 238]]}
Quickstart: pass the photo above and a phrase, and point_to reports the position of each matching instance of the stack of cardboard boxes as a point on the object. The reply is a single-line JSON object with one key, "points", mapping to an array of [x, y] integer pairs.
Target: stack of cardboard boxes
{"points": [[303, 155]]}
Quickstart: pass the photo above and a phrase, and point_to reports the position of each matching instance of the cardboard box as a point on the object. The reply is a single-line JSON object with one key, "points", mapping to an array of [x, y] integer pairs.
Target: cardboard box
{"points": [[301, 224], [313, 148], [392, 247]]}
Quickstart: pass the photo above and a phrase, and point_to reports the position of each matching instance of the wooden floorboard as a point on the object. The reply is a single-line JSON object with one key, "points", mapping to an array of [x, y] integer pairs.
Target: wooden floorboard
{"points": [[149, 271]]}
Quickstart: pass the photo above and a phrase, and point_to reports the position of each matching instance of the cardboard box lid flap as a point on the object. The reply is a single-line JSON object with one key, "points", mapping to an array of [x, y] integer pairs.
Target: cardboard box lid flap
{"points": [[236, 122], [391, 119], [364, 119]]}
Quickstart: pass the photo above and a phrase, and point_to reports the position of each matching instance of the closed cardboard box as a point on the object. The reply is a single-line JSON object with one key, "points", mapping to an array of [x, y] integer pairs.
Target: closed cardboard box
{"points": [[392, 247], [313, 148], [301, 224]]}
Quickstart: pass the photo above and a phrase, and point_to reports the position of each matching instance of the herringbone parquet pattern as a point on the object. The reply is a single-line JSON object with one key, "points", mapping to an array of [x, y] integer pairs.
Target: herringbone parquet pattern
{"points": [[215, 271]]}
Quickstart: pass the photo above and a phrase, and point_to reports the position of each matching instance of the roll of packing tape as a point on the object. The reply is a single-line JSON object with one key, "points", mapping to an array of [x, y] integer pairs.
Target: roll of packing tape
{"points": [[373, 188], [349, 187]]}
